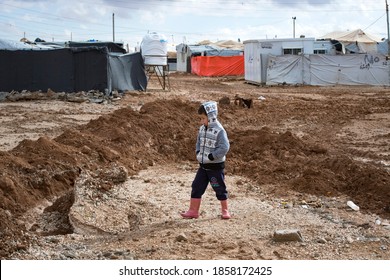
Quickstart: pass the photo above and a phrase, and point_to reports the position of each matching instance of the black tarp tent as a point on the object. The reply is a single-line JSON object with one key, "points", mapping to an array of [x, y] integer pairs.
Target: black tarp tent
{"points": [[127, 72], [71, 70], [112, 47]]}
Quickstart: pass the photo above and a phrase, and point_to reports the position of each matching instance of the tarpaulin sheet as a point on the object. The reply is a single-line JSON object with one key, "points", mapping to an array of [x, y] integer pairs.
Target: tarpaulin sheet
{"points": [[71, 70], [112, 47], [64, 69], [359, 69], [127, 72], [287, 69], [218, 65], [323, 70], [90, 68]]}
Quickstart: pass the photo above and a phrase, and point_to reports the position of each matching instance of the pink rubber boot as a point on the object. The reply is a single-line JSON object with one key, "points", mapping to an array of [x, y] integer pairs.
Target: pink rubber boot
{"points": [[225, 212], [193, 212]]}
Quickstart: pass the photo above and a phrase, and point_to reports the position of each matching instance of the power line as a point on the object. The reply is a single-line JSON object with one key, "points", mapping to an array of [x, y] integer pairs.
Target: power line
{"points": [[375, 21], [50, 21]]}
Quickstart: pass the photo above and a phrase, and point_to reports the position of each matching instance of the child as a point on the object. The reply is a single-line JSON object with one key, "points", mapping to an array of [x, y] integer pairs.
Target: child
{"points": [[212, 146]]}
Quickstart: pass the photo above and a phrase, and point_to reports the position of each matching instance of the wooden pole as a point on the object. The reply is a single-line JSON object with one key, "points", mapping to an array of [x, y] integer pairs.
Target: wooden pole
{"points": [[113, 27], [388, 41]]}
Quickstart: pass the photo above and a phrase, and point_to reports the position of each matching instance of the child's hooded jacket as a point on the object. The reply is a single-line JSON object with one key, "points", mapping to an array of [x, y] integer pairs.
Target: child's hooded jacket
{"points": [[212, 139]]}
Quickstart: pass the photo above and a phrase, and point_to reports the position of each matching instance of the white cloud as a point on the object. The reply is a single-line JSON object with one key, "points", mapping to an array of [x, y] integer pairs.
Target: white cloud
{"points": [[195, 20]]}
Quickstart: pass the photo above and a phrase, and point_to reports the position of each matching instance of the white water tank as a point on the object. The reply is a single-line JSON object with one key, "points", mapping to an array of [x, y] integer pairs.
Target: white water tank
{"points": [[154, 49]]}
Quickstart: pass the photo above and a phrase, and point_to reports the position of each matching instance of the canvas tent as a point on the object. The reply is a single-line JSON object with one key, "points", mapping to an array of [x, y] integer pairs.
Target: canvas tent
{"points": [[355, 41], [71, 70]]}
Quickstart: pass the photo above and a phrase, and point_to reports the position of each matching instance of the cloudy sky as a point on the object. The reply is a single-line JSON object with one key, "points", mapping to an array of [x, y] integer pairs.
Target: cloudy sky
{"points": [[187, 21]]}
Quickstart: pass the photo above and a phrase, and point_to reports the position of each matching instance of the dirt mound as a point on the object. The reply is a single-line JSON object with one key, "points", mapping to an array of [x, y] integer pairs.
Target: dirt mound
{"points": [[162, 131], [48, 168], [285, 160]]}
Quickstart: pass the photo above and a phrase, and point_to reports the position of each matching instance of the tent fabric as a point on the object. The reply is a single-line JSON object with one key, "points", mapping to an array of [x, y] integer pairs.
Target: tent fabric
{"points": [[218, 66], [69, 70], [326, 70], [209, 50], [111, 46], [362, 69], [65, 69], [357, 35], [127, 72], [90, 68], [363, 41], [224, 44], [16, 45], [383, 47], [285, 69], [205, 48], [41, 70]]}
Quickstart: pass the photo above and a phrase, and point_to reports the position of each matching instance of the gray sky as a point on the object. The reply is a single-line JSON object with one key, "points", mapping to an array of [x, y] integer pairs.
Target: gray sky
{"points": [[186, 21]]}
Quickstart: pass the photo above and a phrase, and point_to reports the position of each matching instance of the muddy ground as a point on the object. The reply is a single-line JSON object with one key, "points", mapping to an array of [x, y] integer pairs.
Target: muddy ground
{"points": [[87, 177]]}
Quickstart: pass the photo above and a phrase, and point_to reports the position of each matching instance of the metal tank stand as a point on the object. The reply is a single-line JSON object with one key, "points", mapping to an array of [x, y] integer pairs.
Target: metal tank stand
{"points": [[161, 72], [157, 65]]}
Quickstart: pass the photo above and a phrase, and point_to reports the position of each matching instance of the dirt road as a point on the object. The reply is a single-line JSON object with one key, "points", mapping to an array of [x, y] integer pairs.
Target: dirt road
{"points": [[106, 180]]}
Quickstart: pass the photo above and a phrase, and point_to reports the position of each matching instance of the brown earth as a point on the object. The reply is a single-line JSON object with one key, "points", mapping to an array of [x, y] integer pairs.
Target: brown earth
{"points": [[81, 180]]}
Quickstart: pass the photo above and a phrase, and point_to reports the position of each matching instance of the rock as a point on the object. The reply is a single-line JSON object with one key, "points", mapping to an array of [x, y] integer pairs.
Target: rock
{"points": [[181, 237], [349, 239], [353, 206], [70, 255], [287, 235], [321, 240]]}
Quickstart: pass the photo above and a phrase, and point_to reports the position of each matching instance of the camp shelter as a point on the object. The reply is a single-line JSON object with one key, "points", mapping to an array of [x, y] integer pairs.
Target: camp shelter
{"points": [[127, 72], [222, 58], [71, 70], [217, 66], [355, 41], [113, 47], [256, 53], [328, 70], [23, 44]]}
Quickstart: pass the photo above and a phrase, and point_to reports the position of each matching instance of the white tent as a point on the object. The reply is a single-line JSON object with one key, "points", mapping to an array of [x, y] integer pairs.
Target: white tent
{"points": [[356, 41], [224, 44]]}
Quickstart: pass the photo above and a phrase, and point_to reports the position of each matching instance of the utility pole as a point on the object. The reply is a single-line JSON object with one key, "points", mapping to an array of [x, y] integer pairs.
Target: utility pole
{"points": [[294, 18], [388, 41], [113, 27], [388, 32]]}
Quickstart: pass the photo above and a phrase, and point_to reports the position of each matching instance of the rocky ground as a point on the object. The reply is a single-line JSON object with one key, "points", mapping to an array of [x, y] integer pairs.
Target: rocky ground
{"points": [[84, 176]]}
